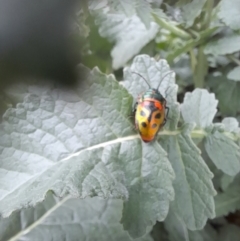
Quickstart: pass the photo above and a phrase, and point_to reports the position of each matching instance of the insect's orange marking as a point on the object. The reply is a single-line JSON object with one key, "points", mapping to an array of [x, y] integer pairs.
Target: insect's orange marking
{"points": [[158, 105]]}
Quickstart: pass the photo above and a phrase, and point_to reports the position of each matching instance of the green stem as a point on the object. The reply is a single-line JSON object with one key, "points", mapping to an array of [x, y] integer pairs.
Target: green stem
{"points": [[198, 134], [193, 60], [201, 68], [208, 14], [234, 59], [203, 36], [172, 28]]}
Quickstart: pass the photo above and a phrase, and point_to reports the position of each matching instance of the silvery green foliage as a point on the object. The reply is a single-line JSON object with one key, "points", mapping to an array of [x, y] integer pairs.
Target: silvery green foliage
{"points": [[128, 25], [230, 13], [82, 143], [19, 221], [225, 45], [191, 11], [177, 231], [234, 74], [199, 107], [229, 199], [76, 219], [222, 150], [225, 90], [183, 154], [229, 232]]}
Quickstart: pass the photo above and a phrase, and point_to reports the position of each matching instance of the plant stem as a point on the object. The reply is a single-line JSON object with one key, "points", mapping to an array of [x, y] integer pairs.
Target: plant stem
{"points": [[208, 14], [203, 36], [193, 60], [234, 59], [201, 68], [172, 28]]}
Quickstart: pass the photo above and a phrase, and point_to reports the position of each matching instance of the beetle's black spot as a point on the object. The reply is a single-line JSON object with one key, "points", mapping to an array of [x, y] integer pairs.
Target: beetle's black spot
{"points": [[154, 125], [142, 113], [144, 124], [158, 116]]}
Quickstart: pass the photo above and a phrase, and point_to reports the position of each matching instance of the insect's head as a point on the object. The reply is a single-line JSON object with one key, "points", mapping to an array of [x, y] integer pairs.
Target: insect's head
{"points": [[147, 82]]}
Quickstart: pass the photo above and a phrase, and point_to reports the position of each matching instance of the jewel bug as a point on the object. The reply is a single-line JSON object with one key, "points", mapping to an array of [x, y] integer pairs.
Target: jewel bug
{"points": [[150, 111]]}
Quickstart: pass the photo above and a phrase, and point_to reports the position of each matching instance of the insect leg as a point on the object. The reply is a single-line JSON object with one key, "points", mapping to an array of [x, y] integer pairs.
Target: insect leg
{"points": [[166, 117], [167, 110]]}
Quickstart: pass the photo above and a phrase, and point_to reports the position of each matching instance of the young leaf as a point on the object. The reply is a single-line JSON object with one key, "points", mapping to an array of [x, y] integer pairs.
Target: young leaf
{"points": [[89, 219], [82, 142], [193, 186], [191, 11], [234, 74], [229, 200], [224, 152], [229, 232], [143, 9], [224, 45], [226, 180], [128, 33], [227, 92], [123, 6], [230, 13], [231, 124], [199, 107]]}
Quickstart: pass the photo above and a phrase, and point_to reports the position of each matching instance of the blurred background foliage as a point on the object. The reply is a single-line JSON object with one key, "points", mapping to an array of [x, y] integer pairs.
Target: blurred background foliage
{"points": [[42, 42]]}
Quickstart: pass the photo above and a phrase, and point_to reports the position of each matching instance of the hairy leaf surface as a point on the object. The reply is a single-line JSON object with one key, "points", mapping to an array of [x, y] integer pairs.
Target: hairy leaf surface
{"points": [[234, 74], [199, 107], [193, 186], [229, 200], [75, 219], [227, 93], [21, 220], [224, 152], [230, 13], [82, 142], [128, 33], [224, 45], [191, 11]]}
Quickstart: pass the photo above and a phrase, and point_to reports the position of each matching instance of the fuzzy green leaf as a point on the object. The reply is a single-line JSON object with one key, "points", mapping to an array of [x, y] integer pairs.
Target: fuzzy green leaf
{"points": [[234, 74], [82, 142], [227, 93], [20, 221], [229, 232], [143, 9], [222, 46], [176, 228], [177, 231], [207, 234], [230, 13], [128, 34], [75, 219], [226, 180], [193, 186], [229, 200], [223, 152], [191, 11], [199, 107], [123, 6], [231, 124]]}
